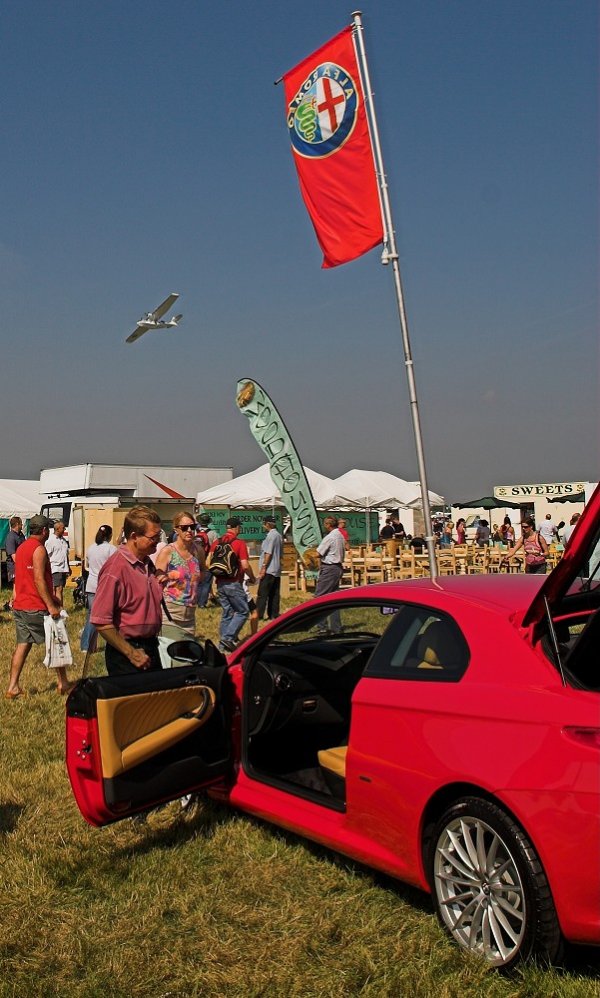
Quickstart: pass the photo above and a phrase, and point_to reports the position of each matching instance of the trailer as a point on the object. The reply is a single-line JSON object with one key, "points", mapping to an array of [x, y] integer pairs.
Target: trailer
{"points": [[86, 496]]}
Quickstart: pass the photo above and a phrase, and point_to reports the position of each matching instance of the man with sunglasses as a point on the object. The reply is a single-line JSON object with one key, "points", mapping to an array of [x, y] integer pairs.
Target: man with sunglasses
{"points": [[127, 607]]}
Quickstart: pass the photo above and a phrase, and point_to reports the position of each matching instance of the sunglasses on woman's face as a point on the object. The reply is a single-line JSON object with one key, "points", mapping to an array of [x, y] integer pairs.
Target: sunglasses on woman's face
{"points": [[187, 526]]}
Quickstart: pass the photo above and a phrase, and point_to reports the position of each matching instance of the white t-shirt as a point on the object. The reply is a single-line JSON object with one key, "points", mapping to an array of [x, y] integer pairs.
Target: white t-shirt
{"points": [[547, 530], [58, 553], [332, 548], [96, 555]]}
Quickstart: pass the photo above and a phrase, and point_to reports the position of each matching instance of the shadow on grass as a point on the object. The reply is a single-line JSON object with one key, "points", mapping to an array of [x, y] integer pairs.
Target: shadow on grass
{"points": [[202, 821], [404, 892], [9, 817], [209, 815], [582, 960]]}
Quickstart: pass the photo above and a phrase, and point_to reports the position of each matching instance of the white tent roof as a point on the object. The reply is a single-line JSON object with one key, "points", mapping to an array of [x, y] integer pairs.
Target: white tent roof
{"points": [[257, 489], [378, 489], [19, 497]]}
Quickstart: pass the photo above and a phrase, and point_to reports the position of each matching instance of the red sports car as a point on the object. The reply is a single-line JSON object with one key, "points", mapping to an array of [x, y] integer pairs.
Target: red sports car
{"points": [[446, 732]]}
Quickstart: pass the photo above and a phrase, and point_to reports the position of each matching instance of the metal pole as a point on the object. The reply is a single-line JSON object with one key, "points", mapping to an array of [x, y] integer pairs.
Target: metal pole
{"points": [[390, 254]]}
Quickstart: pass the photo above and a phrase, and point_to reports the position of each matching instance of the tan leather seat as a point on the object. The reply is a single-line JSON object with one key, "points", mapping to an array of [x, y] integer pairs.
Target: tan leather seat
{"points": [[334, 760], [437, 646]]}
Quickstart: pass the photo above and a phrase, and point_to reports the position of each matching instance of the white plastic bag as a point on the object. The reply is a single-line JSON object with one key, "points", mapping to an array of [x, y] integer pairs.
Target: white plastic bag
{"points": [[58, 649]]}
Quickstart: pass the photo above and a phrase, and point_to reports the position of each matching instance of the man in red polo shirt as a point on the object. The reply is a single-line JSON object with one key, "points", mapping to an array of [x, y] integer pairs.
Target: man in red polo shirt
{"points": [[230, 591], [127, 607], [33, 600]]}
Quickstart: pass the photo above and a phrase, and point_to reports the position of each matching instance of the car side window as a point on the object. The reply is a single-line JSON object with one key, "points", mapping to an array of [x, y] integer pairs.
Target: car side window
{"points": [[343, 622], [422, 644]]}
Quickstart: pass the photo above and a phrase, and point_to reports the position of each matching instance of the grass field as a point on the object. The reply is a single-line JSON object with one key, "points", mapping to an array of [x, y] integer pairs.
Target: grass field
{"points": [[205, 902]]}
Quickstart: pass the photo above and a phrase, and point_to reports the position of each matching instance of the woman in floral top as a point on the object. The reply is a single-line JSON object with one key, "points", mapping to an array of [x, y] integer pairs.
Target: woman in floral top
{"points": [[184, 563]]}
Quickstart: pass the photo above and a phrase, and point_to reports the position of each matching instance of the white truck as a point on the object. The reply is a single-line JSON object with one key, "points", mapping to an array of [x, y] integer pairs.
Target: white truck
{"points": [[84, 496]]}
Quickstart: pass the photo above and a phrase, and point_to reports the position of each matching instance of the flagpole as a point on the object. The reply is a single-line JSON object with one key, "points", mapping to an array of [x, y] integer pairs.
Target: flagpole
{"points": [[390, 255]]}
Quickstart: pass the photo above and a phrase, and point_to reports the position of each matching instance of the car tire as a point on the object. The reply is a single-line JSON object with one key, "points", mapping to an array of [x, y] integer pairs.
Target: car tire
{"points": [[489, 887]]}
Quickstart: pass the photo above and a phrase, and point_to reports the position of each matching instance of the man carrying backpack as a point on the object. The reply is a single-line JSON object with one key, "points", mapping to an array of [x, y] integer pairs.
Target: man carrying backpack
{"points": [[229, 561]]}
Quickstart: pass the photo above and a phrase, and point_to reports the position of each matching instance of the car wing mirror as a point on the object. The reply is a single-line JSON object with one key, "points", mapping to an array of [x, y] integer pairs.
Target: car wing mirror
{"points": [[212, 656], [188, 652]]}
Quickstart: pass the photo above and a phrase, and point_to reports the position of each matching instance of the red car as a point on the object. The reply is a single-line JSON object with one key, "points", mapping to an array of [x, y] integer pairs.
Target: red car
{"points": [[445, 732]]}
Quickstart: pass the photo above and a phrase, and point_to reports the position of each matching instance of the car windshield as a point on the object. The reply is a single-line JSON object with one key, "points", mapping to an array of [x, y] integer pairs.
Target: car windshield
{"points": [[589, 576]]}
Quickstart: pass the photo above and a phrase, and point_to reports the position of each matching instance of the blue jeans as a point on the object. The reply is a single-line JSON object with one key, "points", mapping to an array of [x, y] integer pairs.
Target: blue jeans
{"points": [[234, 603], [89, 634], [203, 591]]}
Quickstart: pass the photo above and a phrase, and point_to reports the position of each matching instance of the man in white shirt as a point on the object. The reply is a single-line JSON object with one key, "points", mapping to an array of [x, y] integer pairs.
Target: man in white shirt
{"points": [[569, 530], [331, 551], [548, 530], [57, 547]]}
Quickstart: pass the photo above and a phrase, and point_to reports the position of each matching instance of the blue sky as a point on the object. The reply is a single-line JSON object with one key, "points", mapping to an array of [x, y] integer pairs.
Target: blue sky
{"points": [[144, 151]]}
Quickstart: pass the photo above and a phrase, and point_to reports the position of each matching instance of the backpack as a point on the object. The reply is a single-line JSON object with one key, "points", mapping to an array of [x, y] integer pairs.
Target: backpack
{"points": [[222, 560], [202, 537]]}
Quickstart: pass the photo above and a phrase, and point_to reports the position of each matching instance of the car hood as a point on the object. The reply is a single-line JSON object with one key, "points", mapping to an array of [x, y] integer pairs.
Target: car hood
{"points": [[577, 552]]}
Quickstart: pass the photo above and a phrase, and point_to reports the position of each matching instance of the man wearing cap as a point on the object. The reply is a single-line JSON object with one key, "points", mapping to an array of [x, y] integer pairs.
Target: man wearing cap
{"points": [[33, 600], [230, 591], [207, 537], [269, 571]]}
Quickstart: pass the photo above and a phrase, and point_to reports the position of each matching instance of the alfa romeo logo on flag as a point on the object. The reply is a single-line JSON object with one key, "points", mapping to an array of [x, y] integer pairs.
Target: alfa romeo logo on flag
{"points": [[322, 115]]}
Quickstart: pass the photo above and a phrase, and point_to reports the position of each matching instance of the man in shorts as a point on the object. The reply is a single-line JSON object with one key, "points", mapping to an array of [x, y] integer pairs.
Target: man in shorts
{"points": [[33, 600]]}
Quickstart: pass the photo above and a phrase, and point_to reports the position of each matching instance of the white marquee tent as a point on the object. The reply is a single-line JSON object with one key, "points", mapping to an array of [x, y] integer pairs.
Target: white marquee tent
{"points": [[19, 497], [379, 489], [257, 489]]}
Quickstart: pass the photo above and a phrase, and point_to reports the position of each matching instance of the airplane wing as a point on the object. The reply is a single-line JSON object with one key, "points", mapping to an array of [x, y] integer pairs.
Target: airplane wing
{"points": [[165, 306], [137, 332]]}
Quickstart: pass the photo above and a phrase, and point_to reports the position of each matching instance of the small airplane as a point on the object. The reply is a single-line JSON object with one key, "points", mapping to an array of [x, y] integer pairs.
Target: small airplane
{"points": [[154, 320]]}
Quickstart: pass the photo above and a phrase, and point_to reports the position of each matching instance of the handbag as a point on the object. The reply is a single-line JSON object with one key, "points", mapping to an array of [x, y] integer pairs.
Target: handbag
{"points": [[535, 557]]}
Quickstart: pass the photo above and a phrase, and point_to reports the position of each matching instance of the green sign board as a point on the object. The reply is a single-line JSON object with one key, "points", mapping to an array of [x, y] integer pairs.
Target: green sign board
{"points": [[252, 521], [356, 525], [285, 467]]}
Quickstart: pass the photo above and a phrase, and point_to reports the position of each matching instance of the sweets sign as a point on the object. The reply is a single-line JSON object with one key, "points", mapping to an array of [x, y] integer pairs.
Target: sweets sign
{"points": [[287, 473], [550, 490]]}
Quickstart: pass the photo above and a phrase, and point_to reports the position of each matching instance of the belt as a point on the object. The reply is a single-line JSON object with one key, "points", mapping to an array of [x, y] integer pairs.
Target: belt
{"points": [[336, 564]]}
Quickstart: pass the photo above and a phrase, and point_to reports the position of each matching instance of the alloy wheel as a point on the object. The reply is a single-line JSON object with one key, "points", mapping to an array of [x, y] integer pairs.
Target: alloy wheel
{"points": [[480, 893]]}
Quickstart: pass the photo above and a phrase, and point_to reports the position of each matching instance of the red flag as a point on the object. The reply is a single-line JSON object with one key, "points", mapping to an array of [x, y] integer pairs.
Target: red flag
{"points": [[332, 151]]}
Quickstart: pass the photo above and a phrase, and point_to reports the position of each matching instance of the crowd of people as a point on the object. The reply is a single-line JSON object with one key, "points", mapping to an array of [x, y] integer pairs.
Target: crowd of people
{"points": [[448, 534], [146, 587], [149, 586]]}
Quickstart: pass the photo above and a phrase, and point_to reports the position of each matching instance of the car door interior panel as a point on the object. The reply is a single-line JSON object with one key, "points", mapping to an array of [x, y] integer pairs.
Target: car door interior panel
{"points": [[133, 731], [136, 740]]}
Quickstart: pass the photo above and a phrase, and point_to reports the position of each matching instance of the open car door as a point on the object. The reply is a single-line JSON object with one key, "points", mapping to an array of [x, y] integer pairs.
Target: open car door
{"points": [[134, 741]]}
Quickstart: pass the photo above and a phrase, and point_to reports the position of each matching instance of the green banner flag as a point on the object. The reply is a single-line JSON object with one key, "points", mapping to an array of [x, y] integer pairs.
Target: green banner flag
{"points": [[288, 475]]}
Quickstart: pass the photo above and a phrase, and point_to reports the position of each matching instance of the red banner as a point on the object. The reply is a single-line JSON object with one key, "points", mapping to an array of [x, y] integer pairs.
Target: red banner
{"points": [[332, 150]]}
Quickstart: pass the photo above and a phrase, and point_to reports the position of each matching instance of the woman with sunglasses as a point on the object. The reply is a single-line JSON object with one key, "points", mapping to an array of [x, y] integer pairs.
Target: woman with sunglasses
{"points": [[534, 546], [183, 562]]}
